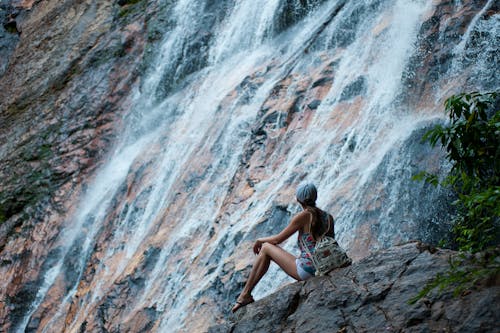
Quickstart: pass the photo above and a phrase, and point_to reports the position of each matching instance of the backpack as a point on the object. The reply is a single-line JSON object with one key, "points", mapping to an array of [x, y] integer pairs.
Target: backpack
{"points": [[327, 255]]}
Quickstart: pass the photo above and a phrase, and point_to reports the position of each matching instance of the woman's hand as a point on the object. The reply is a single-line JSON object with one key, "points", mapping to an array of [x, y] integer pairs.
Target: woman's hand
{"points": [[257, 246]]}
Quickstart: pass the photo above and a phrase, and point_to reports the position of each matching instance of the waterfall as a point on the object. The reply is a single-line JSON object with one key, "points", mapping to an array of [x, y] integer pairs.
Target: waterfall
{"points": [[217, 141]]}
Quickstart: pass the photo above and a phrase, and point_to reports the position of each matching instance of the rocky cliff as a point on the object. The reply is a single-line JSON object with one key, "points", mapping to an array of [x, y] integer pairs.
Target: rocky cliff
{"points": [[373, 295], [145, 144], [67, 71]]}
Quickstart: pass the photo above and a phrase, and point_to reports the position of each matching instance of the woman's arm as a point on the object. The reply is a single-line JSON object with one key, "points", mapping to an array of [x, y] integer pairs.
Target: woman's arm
{"points": [[297, 222]]}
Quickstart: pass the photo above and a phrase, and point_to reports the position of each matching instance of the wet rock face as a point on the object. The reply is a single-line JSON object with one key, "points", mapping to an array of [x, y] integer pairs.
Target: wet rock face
{"points": [[429, 207], [290, 12], [435, 58], [61, 94], [66, 69], [372, 296], [9, 33]]}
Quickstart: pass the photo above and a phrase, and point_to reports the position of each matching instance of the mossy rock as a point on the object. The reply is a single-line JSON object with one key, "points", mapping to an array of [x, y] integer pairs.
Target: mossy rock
{"points": [[11, 27], [3, 218], [107, 55], [128, 7], [9, 207], [128, 2], [42, 152]]}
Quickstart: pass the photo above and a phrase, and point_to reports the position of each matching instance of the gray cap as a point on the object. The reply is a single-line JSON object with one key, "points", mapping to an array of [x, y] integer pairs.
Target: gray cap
{"points": [[307, 194]]}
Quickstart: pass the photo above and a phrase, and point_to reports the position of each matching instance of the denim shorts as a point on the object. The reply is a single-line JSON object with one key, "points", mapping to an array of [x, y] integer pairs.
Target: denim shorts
{"points": [[301, 272]]}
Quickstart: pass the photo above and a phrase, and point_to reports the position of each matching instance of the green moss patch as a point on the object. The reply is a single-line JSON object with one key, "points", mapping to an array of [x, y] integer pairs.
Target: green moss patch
{"points": [[128, 7], [128, 2]]}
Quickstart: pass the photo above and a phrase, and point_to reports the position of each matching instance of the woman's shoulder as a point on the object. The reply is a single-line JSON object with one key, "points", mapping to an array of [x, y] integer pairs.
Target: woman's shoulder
{"points": [[304, 214], [302, 217]]}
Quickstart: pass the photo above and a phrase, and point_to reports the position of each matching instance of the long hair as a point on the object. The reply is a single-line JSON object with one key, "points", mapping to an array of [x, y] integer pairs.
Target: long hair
{"points": [[318, 227], [307, 194]]}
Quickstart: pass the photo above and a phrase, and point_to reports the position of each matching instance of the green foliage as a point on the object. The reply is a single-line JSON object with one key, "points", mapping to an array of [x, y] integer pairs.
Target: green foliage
{"points": [[472, 143], [464, 274], [472, 139], [427, 177], [478, 227]]}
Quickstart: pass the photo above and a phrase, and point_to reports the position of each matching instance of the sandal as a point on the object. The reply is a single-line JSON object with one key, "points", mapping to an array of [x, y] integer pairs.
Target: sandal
{"points": [[239, 304]]}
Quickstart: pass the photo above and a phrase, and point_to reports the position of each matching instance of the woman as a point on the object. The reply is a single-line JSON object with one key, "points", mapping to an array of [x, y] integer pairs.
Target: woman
{"points": [[312, 223]]}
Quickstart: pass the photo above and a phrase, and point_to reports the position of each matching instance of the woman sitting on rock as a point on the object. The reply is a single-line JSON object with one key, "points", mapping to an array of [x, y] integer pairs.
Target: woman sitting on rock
{"points": [[311, 223]]}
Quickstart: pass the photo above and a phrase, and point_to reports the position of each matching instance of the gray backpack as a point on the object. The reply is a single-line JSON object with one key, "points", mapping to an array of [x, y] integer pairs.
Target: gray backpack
{"points": [[327, 255]]}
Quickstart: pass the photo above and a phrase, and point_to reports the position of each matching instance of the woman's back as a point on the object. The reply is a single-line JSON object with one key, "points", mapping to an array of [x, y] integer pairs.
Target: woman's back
{"points": [[321, 224]]}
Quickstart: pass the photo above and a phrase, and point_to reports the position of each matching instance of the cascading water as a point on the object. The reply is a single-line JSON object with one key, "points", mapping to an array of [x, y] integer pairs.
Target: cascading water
{"points": [[214, 149]]}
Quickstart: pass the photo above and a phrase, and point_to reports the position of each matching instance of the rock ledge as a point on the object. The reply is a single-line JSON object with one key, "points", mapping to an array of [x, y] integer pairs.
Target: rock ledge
{"points": [[372, 296]]}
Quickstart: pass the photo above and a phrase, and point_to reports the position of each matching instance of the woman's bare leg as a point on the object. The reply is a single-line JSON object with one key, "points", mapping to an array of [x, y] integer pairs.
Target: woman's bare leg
{"points": [[267, 253]]}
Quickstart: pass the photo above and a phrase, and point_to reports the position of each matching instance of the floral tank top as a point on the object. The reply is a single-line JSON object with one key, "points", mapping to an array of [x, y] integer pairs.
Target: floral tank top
{"points": [[304, 258]]}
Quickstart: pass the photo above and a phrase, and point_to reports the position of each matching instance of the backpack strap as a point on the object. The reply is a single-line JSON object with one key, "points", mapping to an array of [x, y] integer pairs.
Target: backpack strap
{"points": [[304, 245], [310, 221]]}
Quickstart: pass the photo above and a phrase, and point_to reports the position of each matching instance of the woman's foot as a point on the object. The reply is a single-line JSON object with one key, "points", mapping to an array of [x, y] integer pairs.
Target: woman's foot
{"points": [[241, 302]]}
